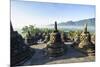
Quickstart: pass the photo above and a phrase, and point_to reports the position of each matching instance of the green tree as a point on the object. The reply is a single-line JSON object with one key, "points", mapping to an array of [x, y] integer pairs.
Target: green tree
{"points": [[25, 29], [31, 29]]}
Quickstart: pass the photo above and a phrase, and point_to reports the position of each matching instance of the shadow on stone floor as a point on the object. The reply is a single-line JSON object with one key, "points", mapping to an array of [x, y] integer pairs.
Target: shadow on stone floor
{"points": [[40, 58]]}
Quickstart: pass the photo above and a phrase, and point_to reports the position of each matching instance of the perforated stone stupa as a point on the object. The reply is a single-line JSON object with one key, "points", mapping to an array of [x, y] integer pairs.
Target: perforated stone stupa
{"points": [[85, 42], [55, 46]]}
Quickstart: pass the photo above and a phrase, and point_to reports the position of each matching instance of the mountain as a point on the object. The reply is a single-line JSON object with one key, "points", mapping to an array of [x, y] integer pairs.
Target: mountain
{"points": [[90, 22]]}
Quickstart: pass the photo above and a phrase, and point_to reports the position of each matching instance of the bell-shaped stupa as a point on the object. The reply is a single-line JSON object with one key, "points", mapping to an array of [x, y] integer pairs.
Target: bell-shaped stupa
{"points": [[55, 46]]}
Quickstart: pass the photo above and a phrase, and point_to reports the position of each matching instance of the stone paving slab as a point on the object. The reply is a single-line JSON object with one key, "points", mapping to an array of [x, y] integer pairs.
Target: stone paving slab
{"points": [[71, 56]]}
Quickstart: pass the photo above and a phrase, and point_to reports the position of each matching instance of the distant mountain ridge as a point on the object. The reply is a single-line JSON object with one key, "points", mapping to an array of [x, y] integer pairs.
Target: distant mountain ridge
{"points": [[90, 22]]}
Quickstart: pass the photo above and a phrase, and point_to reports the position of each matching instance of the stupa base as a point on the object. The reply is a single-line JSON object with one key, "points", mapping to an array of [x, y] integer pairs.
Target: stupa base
{"points": [[56, 51], [86, 52]]}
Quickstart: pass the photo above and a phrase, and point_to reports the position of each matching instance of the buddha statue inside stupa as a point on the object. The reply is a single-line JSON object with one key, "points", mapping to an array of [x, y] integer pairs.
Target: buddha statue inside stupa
{"points": [[55, 46], [85, 41]]}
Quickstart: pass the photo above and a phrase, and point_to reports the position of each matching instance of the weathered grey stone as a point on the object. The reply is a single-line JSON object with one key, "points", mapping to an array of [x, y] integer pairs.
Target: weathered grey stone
{"points": [[29, 39], [55, 46], [85, 42], [19, 50], [93, 39], [47, 37], [76, 40], [64, 37]]}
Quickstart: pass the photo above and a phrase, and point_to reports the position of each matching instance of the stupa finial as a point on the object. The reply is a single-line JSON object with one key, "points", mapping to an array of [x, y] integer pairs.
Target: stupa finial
{"points": [[56, 26], [85, 27]]}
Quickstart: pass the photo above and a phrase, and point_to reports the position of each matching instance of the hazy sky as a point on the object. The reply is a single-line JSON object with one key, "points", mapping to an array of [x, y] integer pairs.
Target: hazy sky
{"points": [[39, 13]]}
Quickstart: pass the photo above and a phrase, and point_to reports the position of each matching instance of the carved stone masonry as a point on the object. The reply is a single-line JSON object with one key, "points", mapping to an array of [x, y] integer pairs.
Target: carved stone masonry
{"points": [[55, 46], [85, 41]]}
